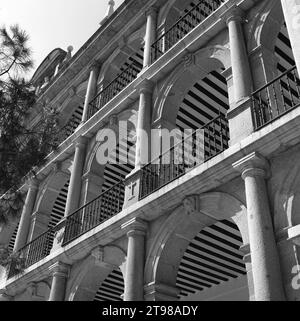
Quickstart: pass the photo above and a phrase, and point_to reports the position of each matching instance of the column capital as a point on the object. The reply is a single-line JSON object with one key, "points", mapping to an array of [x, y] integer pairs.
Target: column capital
{"points": [[61, 166], [81, 142], [152, 11], [234, 13], [60, 269], [252, 165], [145, 86], [135, 226], [95, 65], [33, 183]]}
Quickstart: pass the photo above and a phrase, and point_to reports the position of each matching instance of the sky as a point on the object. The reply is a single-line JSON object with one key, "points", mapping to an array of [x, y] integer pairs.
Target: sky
{"points": [[55, 23]]}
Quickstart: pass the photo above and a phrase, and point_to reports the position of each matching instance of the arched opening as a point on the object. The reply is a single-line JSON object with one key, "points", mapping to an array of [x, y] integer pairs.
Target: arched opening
{"points": [[194, 103], [282, 93], [197, 253], [104, 187], [178, 19], [99, 277], [212, 266], [42, 239], [70, 124], [112, 288], [119, 71]]}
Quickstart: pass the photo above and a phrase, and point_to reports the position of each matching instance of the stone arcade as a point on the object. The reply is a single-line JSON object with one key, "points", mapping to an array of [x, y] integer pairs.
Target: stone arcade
{"points": [[224, 226]]}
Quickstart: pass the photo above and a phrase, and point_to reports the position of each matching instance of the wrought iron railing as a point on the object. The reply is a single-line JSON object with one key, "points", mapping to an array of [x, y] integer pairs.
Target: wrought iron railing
{"points": [[117, 85], [193, 150], [94, 213], [68, 129], [276, 98], [33, 252], [84, 219], [183, 26]]}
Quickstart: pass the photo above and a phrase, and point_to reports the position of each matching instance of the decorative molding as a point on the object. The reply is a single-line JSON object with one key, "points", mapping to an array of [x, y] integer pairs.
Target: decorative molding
{"points": [[234, 13], [191, 204], [60, 269], [152, 11], [145, 86], [135, 226], [98, 255], [81, 142], [253, 164], [189, 60]]}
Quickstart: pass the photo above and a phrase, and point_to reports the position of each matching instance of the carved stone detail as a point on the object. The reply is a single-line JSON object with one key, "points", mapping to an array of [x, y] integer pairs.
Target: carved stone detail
{"points": [[191, 204]]}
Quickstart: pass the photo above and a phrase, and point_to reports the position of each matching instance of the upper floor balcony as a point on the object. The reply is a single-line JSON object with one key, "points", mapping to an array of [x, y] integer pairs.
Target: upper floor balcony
{"points": [[203, 108]]}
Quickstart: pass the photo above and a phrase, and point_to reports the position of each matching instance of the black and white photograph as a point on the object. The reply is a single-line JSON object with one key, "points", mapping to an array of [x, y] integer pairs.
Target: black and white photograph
{"points": [[149, 155]]}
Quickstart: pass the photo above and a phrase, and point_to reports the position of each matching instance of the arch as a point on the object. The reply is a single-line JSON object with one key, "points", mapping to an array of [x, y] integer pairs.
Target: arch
{"points": [[187, 220], [164, 13], [50, 190], [88, 276], [266, 25], [195, 66], [287, 197], [128, 48], [125, 121]]}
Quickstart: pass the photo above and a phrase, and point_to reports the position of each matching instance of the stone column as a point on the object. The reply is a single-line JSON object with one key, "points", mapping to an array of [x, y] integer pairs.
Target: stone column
{"points": [[150, 34], [60, 273], [143, 128], [134, 279], [73, 199], [25, 220], [291, 11], [91, 89], [241, 73], [266, 271], [239, 115]]}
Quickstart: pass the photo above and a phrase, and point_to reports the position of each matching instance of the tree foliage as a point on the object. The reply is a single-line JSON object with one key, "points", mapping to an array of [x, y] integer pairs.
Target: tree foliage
{"points": [[22, 144], [15, 55]]}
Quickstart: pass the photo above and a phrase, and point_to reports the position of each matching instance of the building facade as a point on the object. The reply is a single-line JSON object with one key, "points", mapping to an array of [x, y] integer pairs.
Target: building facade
{"points": [[210, 214]]}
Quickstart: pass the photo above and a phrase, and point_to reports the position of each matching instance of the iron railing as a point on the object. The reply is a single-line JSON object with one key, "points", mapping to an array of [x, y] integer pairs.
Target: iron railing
{"points": [[68, 129], [94, 213], [33, 252], [276, 98], [196, 149], [84, 219], [117, 85], [183, 26]]}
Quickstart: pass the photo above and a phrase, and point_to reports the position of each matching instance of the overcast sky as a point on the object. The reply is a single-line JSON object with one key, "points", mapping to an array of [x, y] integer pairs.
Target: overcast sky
{"points": [[54, 23]]}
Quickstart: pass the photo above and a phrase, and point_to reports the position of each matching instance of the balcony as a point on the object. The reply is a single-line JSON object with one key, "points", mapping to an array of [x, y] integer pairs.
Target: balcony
{"points": [[204, 144], [122, 80], [187, 22], [89, 216], [276, 98]]}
